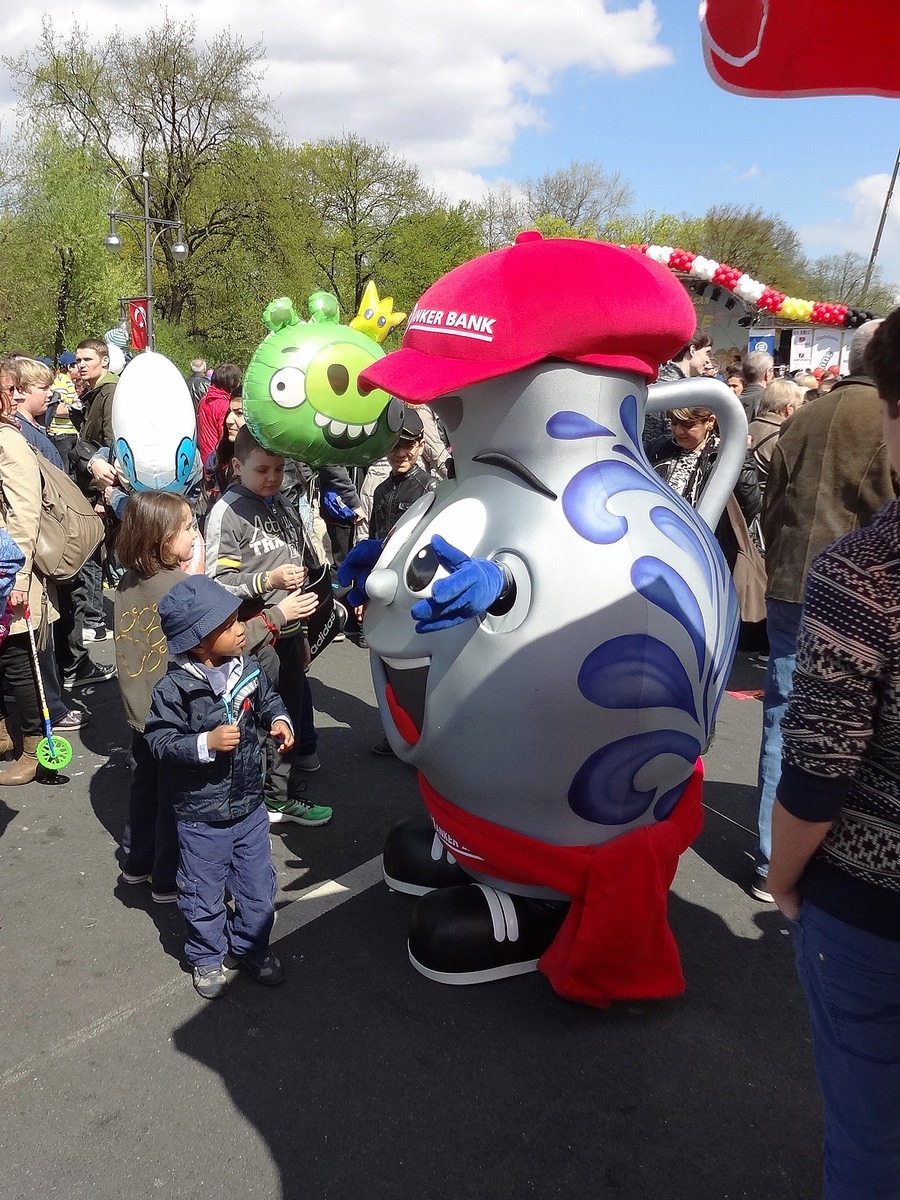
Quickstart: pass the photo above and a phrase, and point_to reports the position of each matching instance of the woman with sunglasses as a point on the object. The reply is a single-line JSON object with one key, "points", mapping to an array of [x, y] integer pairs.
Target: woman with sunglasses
{"points": [[685, 459]]}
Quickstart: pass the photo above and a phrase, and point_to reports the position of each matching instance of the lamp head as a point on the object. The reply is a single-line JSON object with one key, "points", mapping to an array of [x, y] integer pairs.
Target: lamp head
{"points": [[179, 248], [113, 242]]}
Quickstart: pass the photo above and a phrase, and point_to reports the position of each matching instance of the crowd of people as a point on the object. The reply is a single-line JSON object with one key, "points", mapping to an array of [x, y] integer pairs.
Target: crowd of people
{"points": [[821, 479], [213, 595], [266, 532]]}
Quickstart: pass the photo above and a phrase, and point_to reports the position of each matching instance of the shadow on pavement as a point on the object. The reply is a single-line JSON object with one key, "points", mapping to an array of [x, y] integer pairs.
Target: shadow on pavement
{"points": [[729, 829], [367, 1080], [7, 815]]}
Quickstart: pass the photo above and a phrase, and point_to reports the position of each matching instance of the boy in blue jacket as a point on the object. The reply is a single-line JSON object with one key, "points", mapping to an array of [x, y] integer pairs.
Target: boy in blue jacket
{"points": [[204, 717]]}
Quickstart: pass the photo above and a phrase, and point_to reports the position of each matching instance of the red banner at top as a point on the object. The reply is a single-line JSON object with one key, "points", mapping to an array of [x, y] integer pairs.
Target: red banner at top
{"points": [[802, 47]]}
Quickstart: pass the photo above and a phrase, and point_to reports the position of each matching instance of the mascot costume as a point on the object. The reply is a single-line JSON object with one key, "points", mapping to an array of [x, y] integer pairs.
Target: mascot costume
{"points": [[551, 631]]}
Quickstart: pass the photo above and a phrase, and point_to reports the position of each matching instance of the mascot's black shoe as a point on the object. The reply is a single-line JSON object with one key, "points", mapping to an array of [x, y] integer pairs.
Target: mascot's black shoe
{"points": [[475, 934], [416, 861]]}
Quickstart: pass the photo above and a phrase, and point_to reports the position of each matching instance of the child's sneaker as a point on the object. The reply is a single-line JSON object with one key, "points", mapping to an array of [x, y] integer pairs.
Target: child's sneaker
{"points": [[266, 970], [301, 812], [211, 982]]}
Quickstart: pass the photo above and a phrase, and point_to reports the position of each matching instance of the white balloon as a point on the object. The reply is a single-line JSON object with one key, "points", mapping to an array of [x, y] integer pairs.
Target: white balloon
{"points": [[154, 426], [116, 358]]}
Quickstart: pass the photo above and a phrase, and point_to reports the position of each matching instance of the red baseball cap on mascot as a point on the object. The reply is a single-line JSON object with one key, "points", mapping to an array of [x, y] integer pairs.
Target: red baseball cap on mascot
{"points": [[559, 298]]}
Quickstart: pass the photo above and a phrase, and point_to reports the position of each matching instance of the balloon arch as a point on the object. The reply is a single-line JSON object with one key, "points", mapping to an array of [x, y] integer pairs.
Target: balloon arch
{"points": [[766, 299]]}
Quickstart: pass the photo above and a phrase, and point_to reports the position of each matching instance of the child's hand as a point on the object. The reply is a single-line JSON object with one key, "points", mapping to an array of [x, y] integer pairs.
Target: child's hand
{"points": [[224, 737], [287, 578], [359, 612], [281, 732], [297, 605]]}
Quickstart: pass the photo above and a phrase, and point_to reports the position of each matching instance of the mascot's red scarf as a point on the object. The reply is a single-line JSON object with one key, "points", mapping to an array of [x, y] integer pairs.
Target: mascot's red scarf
{"points": [[615, 943]]}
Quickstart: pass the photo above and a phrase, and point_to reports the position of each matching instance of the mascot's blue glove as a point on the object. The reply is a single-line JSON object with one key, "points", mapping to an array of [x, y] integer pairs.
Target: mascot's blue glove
{"points": [[332, 502], [356, 568], [472, 586]]}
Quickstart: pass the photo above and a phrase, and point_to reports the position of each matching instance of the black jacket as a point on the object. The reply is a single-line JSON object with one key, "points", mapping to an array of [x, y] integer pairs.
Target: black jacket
{"points": [[184, 705], [198, 386], [393, 497], [95, 433]]}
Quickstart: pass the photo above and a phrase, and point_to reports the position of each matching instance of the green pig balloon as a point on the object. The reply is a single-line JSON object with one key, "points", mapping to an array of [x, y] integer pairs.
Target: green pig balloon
{"points": [[301, 389]]}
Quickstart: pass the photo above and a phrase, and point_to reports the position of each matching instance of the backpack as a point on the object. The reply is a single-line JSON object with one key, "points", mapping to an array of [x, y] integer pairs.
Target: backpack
{"points": [[69, 531]]}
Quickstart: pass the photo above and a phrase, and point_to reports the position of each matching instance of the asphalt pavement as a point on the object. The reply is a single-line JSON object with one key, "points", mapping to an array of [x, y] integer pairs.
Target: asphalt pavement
{"points": [[359, 1078]]}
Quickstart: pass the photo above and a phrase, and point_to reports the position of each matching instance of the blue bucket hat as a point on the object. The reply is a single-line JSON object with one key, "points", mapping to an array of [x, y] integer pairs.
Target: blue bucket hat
{"points": [[66, 358], [193, 608]]}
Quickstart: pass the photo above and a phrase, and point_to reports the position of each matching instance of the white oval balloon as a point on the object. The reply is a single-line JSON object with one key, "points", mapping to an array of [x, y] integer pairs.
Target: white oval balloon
{"points": [[116, 358], [154, 426]]}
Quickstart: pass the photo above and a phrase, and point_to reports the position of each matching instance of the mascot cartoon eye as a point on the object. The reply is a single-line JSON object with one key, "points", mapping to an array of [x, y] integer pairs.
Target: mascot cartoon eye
{"points": [[184, 460], [287, 387], [422, 569], [462, 524]]}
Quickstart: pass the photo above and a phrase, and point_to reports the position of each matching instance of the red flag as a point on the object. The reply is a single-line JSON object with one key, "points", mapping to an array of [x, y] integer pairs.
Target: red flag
{"points": [[137, 311], [802, 47]]}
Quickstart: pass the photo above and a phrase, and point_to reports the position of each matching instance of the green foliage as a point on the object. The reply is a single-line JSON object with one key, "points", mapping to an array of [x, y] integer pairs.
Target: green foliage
{"points": [[654, 228], [175, 342], [424, 246], [761, 244], [263, 217], [51, 230], [360, 202], [556, 227], [162, 102]]}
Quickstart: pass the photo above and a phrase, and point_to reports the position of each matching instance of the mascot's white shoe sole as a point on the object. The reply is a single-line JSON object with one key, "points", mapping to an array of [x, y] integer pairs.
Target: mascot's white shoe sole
{"points": [[400, 885], [465, 978]]}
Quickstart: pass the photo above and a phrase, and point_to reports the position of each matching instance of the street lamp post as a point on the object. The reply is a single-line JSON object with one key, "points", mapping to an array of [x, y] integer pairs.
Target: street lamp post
{"points": [[113, 242]]}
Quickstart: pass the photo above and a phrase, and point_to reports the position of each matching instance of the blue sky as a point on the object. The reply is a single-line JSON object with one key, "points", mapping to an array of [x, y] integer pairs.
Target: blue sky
{"points": [[483, 91], [822, 163]]}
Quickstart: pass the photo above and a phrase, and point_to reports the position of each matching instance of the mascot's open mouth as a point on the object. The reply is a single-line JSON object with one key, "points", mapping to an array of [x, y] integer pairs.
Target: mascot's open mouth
{"points": [[341, 434], [406, 681]]}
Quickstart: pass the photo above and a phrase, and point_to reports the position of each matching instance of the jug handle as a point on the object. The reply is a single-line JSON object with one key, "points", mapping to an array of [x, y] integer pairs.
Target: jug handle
{"points": [[732, 421]]}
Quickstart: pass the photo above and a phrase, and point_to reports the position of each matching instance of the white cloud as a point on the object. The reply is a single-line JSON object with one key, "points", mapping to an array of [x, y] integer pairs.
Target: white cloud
{"points": [[752, 172], [451, 86], [856, 228]]}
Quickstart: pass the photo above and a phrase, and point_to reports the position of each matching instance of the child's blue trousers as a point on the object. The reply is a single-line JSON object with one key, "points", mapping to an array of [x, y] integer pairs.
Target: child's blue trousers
{"points": [[216, 855]]}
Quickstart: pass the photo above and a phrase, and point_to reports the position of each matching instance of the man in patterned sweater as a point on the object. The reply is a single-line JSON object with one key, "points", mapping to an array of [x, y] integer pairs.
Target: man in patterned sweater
{"points": [[829, 474], [835, 863]]}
